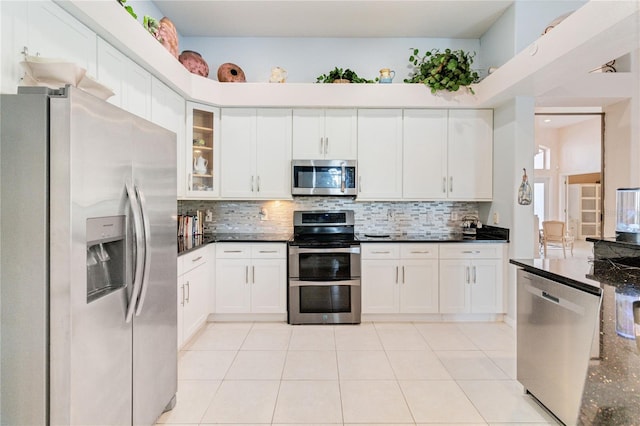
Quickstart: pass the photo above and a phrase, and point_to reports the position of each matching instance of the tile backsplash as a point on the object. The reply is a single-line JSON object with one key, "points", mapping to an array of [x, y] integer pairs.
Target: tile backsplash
{"points": [[394, 217]]}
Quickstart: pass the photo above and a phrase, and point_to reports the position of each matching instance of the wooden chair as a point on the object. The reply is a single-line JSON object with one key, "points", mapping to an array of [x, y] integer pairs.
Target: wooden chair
{"points": [[554, 233]]}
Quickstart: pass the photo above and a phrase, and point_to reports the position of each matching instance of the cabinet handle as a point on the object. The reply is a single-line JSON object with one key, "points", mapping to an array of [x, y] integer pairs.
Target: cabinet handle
{"points": [[268, 251], [403, 274], [182, 301], [189, 180], [467, 269], [396, 275], [380, 252], [196, 259], [359, 183], [321, 145], [246, 274], [251, 183], [418, 251], [444, 184], [258, 184], [253, 274], [188, 285], [326, 145], [471, 251], [233, 251], [474, 275], [450, 183]]}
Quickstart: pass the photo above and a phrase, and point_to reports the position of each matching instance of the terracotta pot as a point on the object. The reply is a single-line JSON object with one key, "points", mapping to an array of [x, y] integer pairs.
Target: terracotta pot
{"points": [[194, 62], [341, 80], [231, 73], [168, 36]]}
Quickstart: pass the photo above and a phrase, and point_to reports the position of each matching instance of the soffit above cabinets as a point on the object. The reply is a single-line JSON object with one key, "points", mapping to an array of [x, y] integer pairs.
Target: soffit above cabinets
{"points": [[328, 18]]}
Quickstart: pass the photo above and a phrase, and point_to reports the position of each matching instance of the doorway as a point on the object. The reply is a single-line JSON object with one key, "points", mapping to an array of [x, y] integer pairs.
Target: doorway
{"points": [[568, 171]]}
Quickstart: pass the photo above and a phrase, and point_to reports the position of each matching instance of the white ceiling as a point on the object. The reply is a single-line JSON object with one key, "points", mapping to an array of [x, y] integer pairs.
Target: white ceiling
{"points": [[554, 121], [331, 18]]}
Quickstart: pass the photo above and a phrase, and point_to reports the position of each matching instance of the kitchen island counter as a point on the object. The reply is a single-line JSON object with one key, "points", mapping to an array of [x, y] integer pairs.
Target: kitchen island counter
{"points": [[611, 394]]}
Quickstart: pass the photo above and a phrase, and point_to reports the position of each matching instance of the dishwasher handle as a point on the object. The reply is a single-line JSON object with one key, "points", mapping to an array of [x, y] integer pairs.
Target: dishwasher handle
{"points": [[551, 297]]}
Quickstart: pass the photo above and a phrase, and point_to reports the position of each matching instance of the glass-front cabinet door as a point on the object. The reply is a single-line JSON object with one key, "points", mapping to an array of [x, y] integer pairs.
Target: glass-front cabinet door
{"points": [[203, 171]]}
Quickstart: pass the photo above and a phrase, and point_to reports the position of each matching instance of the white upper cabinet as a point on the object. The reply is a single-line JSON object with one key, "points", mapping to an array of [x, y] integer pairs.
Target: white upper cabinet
{"points": [[202, 148], [470, 155], [448, 155], [256, 153], [168, 111], [54, 33], [324, 134], [379, 154], [45, 30], [130, 83], [424, 154]]}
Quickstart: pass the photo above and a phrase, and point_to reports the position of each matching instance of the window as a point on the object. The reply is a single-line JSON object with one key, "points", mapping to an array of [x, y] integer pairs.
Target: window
{"points": [[542, 159]]}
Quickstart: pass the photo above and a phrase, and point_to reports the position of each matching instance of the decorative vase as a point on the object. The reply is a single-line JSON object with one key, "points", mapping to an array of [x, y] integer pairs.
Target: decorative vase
{"points": [[194, 62], [231, 73], [525, 194], [386, 75]]}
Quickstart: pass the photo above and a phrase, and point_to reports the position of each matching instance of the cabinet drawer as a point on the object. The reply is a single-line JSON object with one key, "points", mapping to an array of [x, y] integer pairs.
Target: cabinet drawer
{"points": [[470, 251], [269, 251], [233, 251], [380, 251], [419, 251], [193, 259]]}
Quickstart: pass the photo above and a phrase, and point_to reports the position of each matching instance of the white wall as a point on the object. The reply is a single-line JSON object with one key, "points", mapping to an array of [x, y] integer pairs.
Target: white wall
{"points": [[580, 148], [497, 45], [513, 147], [307, 58], [532, 17], [617, 161]]}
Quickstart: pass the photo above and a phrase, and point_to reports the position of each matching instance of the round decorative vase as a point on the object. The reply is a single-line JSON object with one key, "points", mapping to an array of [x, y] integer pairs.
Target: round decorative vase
{"points": [[231, 73], [194, 62]]}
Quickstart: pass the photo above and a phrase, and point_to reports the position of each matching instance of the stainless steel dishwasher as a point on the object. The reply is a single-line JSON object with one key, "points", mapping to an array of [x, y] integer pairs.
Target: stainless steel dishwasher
{"points": [[555, 330]]}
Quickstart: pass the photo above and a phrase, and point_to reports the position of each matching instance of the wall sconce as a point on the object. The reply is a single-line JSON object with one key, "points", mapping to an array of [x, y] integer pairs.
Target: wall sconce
{"points": [[524, 191]]}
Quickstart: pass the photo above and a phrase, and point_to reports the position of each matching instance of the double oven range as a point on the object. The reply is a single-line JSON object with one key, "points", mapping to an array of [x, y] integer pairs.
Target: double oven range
{"points": [[324, 269]]}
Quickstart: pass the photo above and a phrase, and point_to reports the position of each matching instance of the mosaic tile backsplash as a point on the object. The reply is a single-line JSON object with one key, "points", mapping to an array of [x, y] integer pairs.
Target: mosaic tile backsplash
{"points": [[389, 217]]}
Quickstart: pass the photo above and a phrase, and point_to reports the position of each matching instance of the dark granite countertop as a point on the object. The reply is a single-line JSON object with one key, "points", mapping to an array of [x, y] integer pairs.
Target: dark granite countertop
{"points": [[572, 272], [425, 238], [485, 234], [187, 244], [611, 395]]}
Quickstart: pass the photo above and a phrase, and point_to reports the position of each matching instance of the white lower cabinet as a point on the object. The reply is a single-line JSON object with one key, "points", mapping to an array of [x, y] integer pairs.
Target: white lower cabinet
{"points": [[193, 293], [471, 278], [251, 278], [399, 278]]}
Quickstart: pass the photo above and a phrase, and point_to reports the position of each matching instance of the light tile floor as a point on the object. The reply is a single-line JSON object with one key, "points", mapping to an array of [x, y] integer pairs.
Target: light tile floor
{"points": [[373, 373]]}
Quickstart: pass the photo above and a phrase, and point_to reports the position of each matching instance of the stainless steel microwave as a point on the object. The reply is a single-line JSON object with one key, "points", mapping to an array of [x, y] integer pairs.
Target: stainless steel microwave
{"points": [[324, 177]]}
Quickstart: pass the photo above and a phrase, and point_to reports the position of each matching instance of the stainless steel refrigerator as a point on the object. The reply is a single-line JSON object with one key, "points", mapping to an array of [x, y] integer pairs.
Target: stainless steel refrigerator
{"points": [[88, 262]]}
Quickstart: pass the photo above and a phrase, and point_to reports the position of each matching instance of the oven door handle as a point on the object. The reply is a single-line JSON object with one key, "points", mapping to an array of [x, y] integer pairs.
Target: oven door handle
{"points": [[297, 250], [299, 283]]}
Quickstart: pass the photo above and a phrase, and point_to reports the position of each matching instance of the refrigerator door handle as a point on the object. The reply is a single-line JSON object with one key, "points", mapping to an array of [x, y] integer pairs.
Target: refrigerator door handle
{"points": [[139, 260], [147, 253]]}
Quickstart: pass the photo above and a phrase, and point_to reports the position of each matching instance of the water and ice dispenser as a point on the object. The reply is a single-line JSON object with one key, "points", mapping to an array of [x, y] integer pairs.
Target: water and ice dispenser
{"points": [[106, 250], [628, 215]]}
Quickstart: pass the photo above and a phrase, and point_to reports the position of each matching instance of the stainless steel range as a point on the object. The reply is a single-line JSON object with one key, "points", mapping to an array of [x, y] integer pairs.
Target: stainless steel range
{"points": [[324, 269]]}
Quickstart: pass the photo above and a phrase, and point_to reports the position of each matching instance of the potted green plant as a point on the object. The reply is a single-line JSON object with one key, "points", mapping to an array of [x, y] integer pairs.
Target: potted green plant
{"points": [[338, 75], [448, 70]]}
